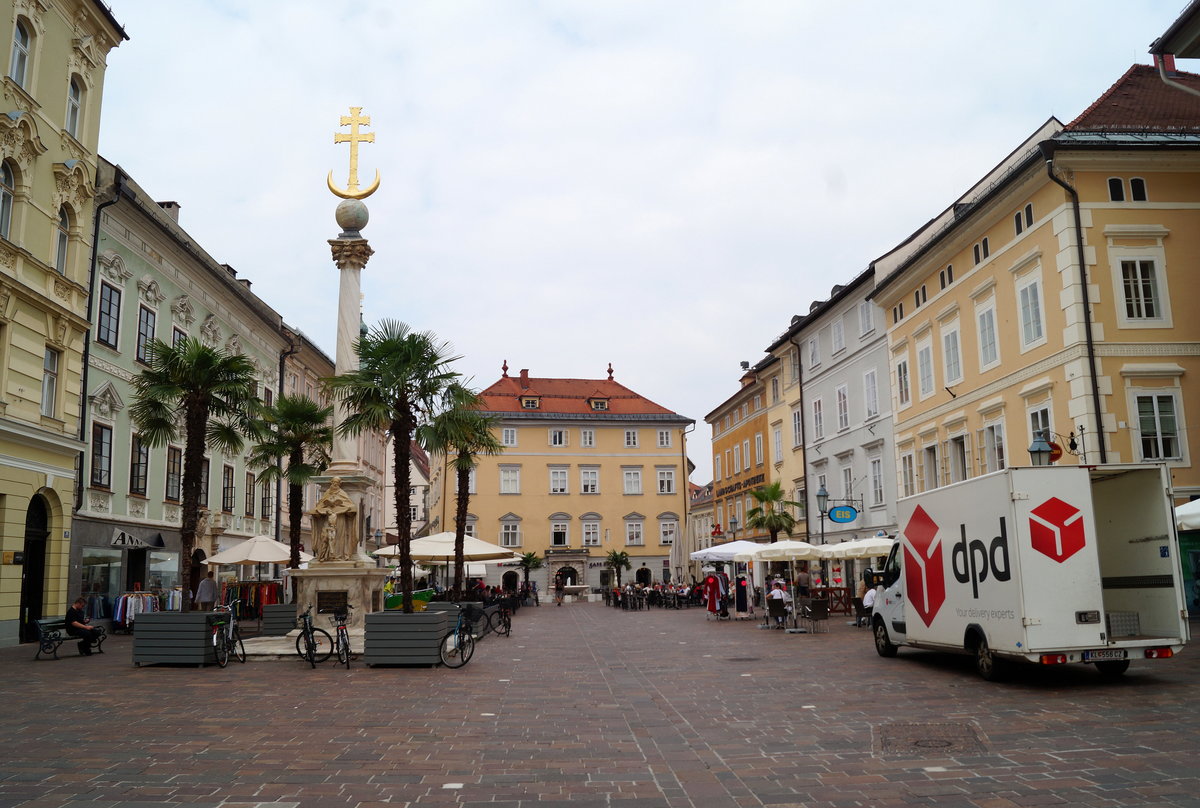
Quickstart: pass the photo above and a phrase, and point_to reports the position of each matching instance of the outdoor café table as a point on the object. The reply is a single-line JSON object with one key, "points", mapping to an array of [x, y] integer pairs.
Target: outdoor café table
{"points": [[838, 597]]}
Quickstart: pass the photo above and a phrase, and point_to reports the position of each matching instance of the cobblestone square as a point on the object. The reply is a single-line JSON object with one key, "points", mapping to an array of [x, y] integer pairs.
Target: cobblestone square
{"points": [[586, 706]]}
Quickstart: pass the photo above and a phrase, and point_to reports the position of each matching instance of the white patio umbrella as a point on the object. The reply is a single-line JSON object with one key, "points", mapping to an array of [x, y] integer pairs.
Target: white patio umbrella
{"points": [[257, 550], [791, 550], [440, 548], [870, 547], [1187, 515], [726, 552]]}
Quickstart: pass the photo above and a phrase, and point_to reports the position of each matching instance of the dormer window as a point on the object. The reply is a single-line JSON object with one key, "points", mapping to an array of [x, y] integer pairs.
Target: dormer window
{"points": [[598, 404], [530, 402]]}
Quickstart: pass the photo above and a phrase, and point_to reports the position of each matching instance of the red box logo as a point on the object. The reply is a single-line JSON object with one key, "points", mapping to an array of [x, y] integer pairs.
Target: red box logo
{"points": [[1056, 529], [924, 566]]}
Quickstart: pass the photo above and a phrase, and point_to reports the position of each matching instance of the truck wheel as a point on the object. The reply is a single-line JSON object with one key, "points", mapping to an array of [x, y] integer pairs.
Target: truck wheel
{"points": [[986, 663], [883, 645], [1112, 668]]}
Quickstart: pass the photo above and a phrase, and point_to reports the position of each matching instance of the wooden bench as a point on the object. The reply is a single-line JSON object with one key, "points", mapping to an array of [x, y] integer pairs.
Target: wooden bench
{"points": [[52, 632]]}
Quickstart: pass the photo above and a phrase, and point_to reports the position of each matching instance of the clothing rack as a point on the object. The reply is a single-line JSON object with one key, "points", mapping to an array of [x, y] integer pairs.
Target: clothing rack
{"points": [[129, 605], [253, 596]]}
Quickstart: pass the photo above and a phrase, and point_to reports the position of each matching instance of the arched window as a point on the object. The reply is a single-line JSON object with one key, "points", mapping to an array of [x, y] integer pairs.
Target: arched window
{"points": [[18, 69], [7, 186], [74, 105], [62, 241]]}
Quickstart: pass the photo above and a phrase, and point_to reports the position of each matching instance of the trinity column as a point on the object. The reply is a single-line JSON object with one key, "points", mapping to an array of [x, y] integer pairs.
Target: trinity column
{"points": [[341, 571]]}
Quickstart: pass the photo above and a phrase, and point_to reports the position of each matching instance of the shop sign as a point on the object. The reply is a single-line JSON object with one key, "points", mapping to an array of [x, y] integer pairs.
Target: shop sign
{"points": [[122, 539]]}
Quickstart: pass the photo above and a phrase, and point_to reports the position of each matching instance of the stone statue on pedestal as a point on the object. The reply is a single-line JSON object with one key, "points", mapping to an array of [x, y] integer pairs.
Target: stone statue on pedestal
{"points": [[335, 524]]}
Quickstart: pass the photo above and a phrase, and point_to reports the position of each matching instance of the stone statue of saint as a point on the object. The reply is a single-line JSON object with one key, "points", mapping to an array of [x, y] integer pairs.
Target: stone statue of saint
{"points": [[335, 524]]}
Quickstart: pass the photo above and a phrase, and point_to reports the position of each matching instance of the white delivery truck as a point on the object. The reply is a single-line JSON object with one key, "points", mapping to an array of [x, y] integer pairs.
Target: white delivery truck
{"points": [[1051, 564]]}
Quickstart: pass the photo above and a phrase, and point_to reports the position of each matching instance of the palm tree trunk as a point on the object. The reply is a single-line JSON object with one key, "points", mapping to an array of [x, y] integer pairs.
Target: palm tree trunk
{"points": [[196, 423], [402, 430], [295, 513], [460, 527]]}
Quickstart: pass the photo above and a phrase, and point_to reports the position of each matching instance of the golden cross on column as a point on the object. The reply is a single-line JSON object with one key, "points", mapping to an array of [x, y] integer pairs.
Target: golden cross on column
{"points": [[354, 120]]}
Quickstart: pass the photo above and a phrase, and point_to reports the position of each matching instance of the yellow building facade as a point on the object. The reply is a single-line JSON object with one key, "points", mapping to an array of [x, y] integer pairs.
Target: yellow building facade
{"points": [[588, 467], [55, 61], [740, 446], [1057, 295]]}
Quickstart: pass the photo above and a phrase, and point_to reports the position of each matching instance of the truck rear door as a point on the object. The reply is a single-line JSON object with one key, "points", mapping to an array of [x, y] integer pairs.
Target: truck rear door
{"points": [[1055, 544]]}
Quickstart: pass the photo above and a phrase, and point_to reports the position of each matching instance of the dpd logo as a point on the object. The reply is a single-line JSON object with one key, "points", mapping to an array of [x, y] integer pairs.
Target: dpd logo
{"points": [[1056, 529], [924, 567]]}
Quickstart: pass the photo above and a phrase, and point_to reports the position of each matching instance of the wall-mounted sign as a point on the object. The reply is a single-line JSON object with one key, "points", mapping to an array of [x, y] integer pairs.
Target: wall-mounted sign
{"points": [[122, 539], [843, 513]]}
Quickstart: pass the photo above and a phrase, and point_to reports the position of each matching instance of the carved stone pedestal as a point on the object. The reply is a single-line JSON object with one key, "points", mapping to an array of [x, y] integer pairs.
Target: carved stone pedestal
{"points": [[327, 585]]}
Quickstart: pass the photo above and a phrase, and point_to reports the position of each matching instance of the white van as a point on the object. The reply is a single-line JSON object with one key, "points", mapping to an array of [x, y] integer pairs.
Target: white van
{"points": [[1050, 565]]}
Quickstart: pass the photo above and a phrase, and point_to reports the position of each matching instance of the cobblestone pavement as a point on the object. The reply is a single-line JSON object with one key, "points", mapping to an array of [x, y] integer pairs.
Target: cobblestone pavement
{"points": [[587, 706]]}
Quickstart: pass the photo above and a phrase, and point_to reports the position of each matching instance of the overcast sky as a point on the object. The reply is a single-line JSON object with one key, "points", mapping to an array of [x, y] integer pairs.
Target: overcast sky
{"points": [[659, 185]]}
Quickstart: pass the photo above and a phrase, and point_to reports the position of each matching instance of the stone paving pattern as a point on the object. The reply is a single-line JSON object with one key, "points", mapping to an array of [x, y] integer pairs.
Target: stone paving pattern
{"points": [[587, 706]]}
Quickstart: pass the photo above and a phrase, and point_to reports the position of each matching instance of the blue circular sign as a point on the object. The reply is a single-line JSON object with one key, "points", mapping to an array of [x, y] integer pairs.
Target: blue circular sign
{"points": [[843, 513]]}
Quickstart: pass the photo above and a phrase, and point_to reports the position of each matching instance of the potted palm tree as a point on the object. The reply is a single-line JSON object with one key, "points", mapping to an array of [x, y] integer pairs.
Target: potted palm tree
{"points": [[618, 560], [401, 377], [460, 433], [528, 563], [207, 395], [771, 513]]}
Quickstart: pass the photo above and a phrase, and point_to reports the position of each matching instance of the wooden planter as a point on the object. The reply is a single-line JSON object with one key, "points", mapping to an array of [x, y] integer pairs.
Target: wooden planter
{"points": [[278, 619], [173, 638], [395, 638]]}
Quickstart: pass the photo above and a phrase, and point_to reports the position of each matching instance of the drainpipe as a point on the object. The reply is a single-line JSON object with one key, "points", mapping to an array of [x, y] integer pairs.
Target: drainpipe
{"points": [[1166, 63], [283, 355], [119, 191], [686, 527], [803, 435], [1048, 152]]}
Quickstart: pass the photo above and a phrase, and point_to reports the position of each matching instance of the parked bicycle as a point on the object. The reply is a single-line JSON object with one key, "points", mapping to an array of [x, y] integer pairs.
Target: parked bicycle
{"points": [[459, 644], [501, 620], [314, 644], [341, 634], [226, 638]]}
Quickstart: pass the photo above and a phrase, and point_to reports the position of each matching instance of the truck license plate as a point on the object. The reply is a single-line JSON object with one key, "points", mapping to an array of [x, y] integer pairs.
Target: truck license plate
{"points": [[1108, 653]]}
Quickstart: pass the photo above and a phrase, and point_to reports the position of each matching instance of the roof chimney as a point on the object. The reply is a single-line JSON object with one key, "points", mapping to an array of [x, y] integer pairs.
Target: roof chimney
{"points": [[524, 378], [1168, 63], [171, 209]]}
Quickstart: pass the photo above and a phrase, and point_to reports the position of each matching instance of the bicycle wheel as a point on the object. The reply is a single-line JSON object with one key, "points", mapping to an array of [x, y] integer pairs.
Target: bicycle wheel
{"points": [[322, 644], [343, 646], [456, 649], [239, 648], [499, 623], [219, 646]]}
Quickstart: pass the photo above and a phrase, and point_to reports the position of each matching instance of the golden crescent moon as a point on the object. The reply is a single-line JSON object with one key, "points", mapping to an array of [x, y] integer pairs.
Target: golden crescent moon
{"points": [[363, 194]]}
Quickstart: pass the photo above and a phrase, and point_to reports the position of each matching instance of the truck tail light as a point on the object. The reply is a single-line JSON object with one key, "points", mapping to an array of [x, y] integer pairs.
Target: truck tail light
{"points": [[1054, 659], [1159, 653]]}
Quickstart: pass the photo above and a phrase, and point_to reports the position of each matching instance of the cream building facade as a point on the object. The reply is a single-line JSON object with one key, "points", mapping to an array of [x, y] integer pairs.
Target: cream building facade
{"points": [[154, 281], [56, 59], [588, 467], [1057, 294]]}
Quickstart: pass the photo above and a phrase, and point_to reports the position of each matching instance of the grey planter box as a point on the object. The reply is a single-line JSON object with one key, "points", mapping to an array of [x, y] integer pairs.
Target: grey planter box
{"points": [[451, 612], [395, 638], [173, 638], [278, 619]]}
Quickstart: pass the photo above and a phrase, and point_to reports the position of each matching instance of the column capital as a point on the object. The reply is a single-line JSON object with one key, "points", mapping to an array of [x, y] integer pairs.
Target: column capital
{"points": [[351, 253]]}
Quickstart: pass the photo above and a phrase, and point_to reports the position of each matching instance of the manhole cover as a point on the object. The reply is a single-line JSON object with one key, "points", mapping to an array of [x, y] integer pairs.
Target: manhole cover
{"points": [[923, 739], [744, 659]]}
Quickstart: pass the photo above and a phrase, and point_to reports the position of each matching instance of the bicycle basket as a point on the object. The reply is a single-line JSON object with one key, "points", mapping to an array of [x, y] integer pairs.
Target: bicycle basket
{"points": [[338, 618]]}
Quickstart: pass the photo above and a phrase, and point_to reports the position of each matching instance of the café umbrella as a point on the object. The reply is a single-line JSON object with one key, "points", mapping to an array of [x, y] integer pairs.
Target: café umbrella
{"points": [[440, 548], [256, 550]]}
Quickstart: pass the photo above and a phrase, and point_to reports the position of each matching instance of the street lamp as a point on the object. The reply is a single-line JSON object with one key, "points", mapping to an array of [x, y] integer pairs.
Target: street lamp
{"points": [[733, 523], [1040, 450], [823, 507]]}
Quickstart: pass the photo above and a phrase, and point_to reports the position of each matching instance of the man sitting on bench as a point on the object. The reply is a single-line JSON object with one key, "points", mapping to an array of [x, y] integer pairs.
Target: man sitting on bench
{"points": [[77, 626]]}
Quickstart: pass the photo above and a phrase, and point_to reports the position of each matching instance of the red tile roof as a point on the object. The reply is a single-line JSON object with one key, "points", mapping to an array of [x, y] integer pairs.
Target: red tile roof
{"points": [[419, 458], [567, 397], [1141, 102]]}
